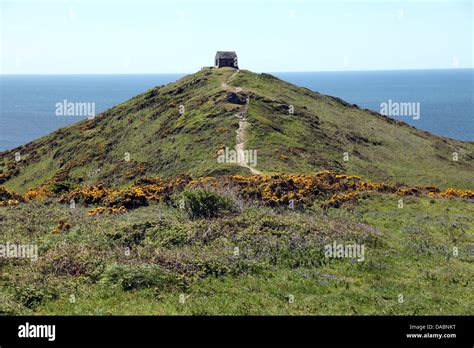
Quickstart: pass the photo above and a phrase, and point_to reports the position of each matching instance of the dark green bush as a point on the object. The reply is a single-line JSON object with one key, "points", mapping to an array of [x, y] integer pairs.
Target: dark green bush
{"points": [[174, 235], [130, 235], [205, 204], [10, 306], [138, 277], [61, 187], [32, 295], [310, 257]]}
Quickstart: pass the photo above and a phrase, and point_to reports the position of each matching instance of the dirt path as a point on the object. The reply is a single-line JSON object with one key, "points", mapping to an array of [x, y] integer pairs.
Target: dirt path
{"points": [[241, 134], [240, 142], [231, 77]]}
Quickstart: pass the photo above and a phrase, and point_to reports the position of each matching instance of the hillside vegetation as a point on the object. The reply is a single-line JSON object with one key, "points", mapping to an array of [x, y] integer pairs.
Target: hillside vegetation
{"points": [[245, 258], [132, 212], [180, 128]]}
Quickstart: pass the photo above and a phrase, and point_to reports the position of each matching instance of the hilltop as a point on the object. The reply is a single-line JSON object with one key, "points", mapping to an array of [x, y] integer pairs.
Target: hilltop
{"points": [[183, 127]]}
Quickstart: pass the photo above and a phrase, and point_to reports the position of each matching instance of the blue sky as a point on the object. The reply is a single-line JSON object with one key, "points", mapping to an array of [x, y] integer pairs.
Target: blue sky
{"points": [[141, 36]]}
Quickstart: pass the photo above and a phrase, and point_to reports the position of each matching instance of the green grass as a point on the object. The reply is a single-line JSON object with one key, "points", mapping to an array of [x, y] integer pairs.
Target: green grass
{"points": [[161, 141], [235, 256], [87, 271]]}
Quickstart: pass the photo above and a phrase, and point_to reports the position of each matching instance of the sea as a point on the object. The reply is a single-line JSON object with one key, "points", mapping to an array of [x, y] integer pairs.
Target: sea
{"points": [[438, 101]]}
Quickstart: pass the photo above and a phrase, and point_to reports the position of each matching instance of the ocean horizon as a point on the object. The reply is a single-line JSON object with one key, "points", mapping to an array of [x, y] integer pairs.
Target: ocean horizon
{"points": [[443, 98]]}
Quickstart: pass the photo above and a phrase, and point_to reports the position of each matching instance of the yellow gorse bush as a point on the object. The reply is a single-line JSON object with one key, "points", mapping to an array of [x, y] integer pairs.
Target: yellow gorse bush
{"points": [[9, 198], [451, 192], [62, 226], [9, 202], [37, 193], [331, 188], [87, 194]]}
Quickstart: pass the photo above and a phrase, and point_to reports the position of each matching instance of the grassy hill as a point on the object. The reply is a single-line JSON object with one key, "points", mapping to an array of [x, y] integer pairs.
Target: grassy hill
{"points": [[179, 128], [123, 225]]}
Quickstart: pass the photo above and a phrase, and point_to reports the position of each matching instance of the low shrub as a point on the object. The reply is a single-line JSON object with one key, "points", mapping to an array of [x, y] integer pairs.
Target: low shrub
{"points": [[72, 260], [9, 198], [33, 295], [205, 204], [130, 235], [61, 187], [138, 276], [10, 306], [130, 198], [87, 195]]}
